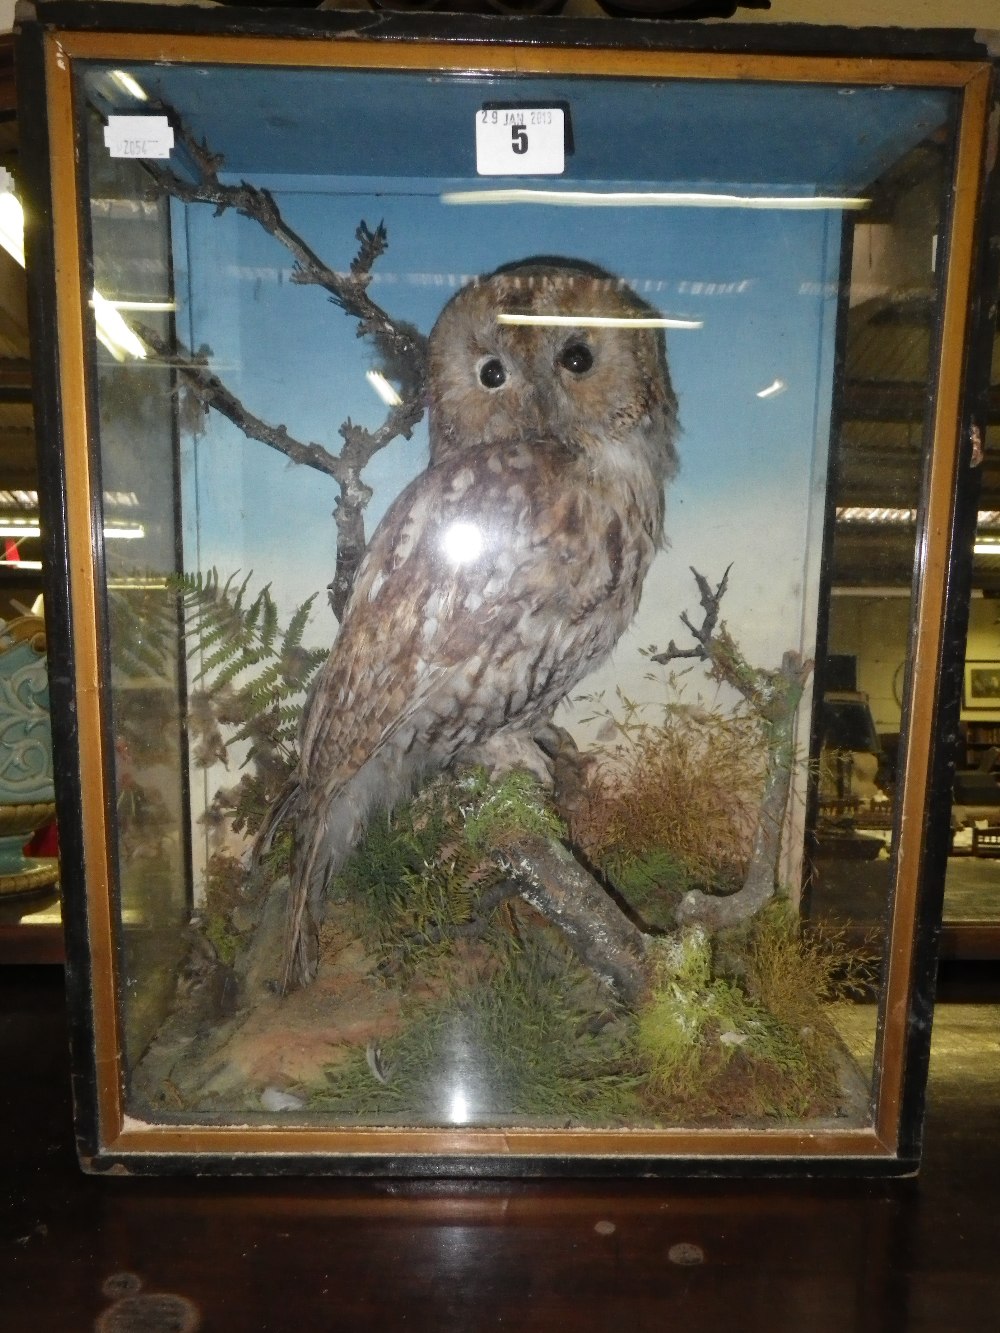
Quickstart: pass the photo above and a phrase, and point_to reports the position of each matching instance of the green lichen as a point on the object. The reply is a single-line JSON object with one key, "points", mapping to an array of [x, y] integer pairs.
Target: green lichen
{"points": [[711, 1047], [223, 939], [501, 810]]}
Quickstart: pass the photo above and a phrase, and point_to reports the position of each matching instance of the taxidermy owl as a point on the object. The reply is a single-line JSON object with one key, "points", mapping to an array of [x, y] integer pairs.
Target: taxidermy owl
{"points": [[506, 571]]}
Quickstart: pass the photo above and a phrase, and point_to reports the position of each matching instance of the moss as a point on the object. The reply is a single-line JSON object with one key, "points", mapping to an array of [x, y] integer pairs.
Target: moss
{"points": [[528, 1037], [517, 1043], [418, 878], [223, 939], [713, 1047], [225, 883], [652, 884], [514, 804]]}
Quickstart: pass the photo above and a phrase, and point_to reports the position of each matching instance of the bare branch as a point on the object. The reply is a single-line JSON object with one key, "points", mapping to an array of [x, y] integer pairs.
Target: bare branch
{"points": [[774, 697], [401, 349], [360, 446], [194, 372], [397, 341]]}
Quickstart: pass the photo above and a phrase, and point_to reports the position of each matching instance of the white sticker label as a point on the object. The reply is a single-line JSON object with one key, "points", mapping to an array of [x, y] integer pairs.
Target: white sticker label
{"points": [[138, 136], [521, 141]]}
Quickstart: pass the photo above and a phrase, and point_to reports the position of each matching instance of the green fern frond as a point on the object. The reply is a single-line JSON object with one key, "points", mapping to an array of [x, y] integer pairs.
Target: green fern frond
{"points": [[296, 627], [269, 619], [253, 673]]}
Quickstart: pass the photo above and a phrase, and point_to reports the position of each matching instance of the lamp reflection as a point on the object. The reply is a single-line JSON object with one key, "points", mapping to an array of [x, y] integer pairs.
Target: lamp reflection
{"points": [[462, 542]]}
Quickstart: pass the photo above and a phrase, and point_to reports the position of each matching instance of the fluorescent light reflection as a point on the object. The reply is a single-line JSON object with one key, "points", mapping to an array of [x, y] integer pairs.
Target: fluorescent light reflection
{"points": [[128, 84], [21, 564], [383, 388], [11, 218], [140, 584], [458, 1111], [601, 321], [986, 543], [113, 332], [872, 514], [111, 329], [20, 530], [153, 307], [653, 199], [773, 389], [130, 533]]}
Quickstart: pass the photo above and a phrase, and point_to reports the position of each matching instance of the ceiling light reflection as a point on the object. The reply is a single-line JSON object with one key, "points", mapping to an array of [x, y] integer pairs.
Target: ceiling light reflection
{"points": [[128, 84], [383, 388], [111, 329], [601, 321], [654, 199], [11, 218], [462, 542], [113, 332], [155, 307]]}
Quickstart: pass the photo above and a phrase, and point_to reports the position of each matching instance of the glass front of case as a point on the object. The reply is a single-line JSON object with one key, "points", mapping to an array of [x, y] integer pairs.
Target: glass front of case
{"points": [[489, 532]]}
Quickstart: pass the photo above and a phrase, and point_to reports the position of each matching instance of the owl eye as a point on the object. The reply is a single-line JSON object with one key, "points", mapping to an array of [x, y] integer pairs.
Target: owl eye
{"points": [[492, 373], [577, 358]]}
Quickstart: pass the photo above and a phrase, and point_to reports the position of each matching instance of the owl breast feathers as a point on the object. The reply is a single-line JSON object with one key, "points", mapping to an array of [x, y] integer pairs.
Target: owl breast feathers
{"points": [[507, 570]]}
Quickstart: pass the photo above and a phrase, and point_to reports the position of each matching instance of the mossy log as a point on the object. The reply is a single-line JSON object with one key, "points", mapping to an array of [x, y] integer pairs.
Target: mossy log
{"points": [[551, 879]]}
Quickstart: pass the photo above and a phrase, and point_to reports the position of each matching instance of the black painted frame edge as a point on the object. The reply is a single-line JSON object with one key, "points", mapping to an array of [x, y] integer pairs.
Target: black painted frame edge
{"points": [[47, 395], [644, 34], [460, 1168]]}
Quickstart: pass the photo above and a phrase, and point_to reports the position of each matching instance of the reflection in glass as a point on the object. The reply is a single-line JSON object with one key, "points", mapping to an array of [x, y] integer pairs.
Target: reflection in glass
{"points": [[972, 885]]}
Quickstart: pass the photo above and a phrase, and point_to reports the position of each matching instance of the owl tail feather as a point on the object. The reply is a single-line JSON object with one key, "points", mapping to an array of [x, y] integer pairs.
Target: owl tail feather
{"points": [[282, 808], [329, 821], [301, 952]]}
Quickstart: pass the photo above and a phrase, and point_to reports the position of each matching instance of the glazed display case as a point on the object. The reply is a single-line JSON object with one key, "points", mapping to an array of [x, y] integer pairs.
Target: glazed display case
{"points": [[464, 492]]}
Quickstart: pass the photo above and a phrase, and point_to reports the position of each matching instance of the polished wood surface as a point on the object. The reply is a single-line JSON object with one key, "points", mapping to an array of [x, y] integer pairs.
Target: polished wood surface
{"points": [[81, 1252]]}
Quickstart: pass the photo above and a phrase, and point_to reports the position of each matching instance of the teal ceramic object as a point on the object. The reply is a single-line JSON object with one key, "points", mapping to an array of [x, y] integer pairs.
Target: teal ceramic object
{"points": [[26, 791]]}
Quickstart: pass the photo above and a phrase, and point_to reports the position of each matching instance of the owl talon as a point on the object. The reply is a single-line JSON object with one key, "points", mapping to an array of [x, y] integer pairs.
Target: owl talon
{"points": [[507, 751]]}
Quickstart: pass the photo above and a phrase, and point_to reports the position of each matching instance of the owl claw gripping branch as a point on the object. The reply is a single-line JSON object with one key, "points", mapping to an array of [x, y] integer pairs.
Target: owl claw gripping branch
{"points": [[502, 574]]}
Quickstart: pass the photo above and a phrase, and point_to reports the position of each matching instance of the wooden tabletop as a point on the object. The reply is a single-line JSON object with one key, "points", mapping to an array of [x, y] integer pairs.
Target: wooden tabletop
{"points": [[249, 1254]]}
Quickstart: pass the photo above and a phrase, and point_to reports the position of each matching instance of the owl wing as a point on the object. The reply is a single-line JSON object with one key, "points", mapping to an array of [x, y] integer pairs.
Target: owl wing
{"points": [[464, 559]]}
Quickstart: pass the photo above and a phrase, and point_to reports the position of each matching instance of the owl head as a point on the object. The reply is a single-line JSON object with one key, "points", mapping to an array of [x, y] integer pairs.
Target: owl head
{"points": [[546, 348]]}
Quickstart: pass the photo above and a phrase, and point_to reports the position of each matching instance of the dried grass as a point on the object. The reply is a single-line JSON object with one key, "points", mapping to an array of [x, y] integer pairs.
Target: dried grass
{"points": [[687, 783]]}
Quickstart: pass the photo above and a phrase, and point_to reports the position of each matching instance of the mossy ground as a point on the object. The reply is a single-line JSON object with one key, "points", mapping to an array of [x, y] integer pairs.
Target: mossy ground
{"points": [[475, 991], [498, 1013]]}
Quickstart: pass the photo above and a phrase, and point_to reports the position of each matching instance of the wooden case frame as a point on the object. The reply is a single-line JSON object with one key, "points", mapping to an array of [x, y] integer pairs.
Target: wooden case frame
{"points": [[50, 47]]}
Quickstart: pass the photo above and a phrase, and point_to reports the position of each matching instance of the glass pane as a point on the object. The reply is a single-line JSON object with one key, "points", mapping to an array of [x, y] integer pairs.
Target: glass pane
{"points": [[972, 884], [133, 282], [537, 856], [882, 434]]}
